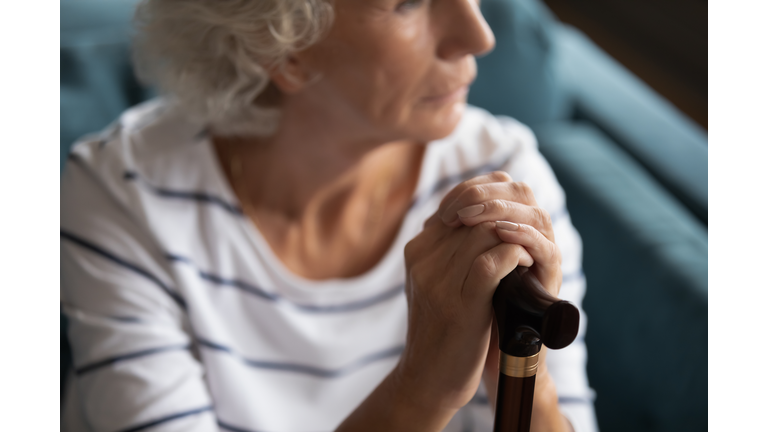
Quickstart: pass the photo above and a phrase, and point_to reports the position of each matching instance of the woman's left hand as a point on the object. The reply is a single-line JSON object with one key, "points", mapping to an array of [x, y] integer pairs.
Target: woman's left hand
{"points": [[495, 197]]}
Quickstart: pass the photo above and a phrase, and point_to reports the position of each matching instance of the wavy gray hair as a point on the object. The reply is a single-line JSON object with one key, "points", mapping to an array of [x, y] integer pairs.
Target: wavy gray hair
{"points": [[213, 56]]}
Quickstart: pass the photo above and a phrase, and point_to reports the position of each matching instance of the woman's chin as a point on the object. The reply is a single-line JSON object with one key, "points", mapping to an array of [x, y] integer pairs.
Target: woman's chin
{"points": [[441, 123], [455, 113]]}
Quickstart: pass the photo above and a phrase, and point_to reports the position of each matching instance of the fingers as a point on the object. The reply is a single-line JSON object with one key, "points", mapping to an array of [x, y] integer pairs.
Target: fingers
{"points": [[450, 197], [490, 267], [478, 193], [478, 252], [539, 247], [503, 210], [544, 252], [429, 241]]}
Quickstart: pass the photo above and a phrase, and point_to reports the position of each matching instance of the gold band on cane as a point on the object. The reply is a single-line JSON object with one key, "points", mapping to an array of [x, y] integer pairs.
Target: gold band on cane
{"points": [[518, 367]]}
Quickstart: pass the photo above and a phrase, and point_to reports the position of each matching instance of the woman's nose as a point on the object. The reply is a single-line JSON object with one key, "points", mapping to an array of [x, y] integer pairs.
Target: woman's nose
{"points": [[463, 30]]}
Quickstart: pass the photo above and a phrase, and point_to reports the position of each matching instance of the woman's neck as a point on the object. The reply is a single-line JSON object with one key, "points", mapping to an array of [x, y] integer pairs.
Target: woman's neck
{"points": [[294, 180], [327, 210]]}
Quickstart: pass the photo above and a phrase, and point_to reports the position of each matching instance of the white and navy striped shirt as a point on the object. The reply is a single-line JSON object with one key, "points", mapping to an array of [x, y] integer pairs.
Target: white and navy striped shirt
{"points": [[183, 319]]}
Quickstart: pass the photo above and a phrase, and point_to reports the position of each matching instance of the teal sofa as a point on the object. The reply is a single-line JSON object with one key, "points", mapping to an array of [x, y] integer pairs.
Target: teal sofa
{"points": [[633, 167]]}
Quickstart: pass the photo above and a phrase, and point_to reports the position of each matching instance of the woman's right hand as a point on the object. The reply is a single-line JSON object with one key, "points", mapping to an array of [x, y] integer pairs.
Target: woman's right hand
{"points": [[452, 274]]}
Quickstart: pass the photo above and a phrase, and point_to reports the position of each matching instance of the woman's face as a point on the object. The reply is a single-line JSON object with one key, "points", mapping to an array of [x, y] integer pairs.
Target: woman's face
{"points": [[398, 68]]}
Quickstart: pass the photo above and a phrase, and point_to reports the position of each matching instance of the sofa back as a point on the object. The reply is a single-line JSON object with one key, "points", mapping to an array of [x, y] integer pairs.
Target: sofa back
{"points": [[97, 80]]}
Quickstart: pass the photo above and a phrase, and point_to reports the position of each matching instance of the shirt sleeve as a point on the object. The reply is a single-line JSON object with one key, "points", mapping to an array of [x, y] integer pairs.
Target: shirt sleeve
{"points": [[134, 366], [568, 365]]}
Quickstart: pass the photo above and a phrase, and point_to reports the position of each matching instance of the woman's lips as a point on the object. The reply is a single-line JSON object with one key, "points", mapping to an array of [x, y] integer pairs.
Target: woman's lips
{"points": [[448, 97]]}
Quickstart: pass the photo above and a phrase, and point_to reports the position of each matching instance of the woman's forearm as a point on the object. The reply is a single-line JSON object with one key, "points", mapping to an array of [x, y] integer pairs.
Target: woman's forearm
{"points": [[391, 406]]}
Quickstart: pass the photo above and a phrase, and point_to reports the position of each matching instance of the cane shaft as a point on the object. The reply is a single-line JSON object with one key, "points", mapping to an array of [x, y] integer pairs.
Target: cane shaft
{"points": [[527, 316], [514, 395], [514, 404]]}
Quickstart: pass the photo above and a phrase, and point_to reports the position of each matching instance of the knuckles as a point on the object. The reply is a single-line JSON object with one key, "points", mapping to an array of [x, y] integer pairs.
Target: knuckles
{"points": [[485, 267], [479, 193], [554, 253], [542, 217], [500, 176], [487, 224], [491, 266], [474, 194], [501, 206], [523, 191]]}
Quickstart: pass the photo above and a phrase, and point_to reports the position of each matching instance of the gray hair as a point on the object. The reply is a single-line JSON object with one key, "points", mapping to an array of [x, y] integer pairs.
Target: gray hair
{"points": [[213, 56]]}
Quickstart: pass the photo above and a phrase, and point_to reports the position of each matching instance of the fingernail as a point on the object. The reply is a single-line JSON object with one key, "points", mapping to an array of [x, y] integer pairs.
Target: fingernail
{"points": [[471, 211], [507, 226]]}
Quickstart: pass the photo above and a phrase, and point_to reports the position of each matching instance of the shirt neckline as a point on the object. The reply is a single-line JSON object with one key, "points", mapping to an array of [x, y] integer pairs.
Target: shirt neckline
{"points": [[378, 272]]}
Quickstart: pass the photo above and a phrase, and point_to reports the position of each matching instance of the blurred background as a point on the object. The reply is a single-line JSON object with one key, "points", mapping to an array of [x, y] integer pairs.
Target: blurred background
{"points": [[663, 42], [616, 93]]}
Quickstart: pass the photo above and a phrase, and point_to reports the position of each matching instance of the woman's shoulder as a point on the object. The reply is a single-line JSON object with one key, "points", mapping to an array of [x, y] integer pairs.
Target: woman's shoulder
{"points": [[139, 136], [151, 146]]}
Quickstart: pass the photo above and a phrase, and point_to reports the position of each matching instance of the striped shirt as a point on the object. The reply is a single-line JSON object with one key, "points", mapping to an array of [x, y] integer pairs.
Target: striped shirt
{"points": [[183, 319]]}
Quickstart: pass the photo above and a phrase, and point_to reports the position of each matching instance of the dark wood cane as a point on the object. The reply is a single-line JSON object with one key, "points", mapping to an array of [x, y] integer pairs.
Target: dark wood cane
{"points": [[527, 316]]}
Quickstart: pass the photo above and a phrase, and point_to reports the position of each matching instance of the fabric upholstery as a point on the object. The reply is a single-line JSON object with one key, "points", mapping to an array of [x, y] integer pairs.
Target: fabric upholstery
{"points": [[645, 260]]}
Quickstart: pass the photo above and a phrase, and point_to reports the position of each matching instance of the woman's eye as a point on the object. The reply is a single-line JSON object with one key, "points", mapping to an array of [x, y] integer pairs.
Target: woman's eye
{"points": [[409, 4]]}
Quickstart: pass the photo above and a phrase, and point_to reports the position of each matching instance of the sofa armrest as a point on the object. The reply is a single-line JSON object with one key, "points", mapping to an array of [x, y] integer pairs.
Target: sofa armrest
{"points": [[668, 144]]}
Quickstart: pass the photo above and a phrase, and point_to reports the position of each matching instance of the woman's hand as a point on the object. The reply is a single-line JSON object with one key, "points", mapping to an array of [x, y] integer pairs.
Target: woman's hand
{"points": [[495, 197], [483, 229], [452, 270]]}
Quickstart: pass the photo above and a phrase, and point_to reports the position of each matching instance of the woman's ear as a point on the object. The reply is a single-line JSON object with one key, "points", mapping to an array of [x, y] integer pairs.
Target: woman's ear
{"points": [[291, 76]]}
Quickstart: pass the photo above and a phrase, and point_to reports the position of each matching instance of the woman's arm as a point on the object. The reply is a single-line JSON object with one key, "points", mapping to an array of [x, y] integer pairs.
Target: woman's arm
{"points": [[132, 356], [393, 406]]}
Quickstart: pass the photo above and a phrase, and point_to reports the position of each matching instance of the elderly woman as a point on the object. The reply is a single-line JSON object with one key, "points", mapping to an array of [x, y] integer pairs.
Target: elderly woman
{"points": [[306, 231]]}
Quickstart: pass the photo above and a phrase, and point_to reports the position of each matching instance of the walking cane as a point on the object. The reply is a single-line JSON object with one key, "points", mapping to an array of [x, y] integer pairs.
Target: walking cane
{"points": [[527, 316]]}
